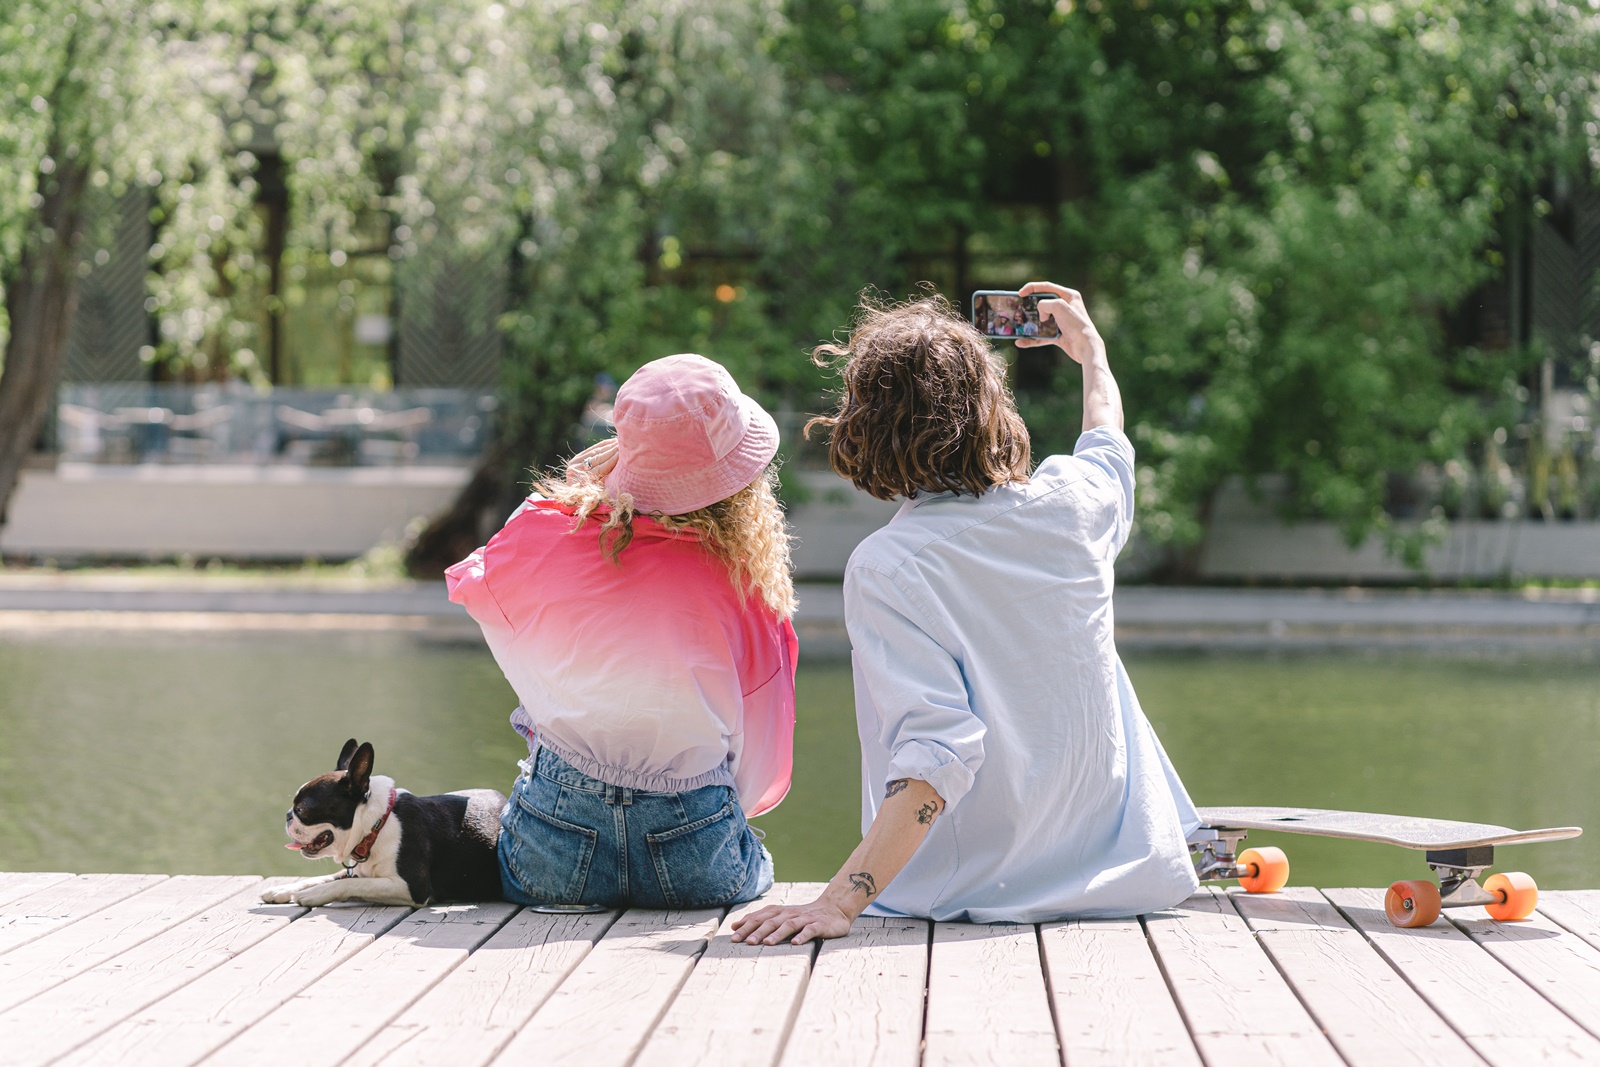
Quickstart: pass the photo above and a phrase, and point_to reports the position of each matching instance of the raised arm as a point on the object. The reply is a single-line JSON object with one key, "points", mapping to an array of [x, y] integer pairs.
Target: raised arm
{"points": [[1102, 401]]}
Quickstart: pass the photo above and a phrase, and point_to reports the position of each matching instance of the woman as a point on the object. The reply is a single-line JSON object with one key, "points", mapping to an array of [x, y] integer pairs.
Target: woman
{"points": [[640, 609], [1020, 780]]}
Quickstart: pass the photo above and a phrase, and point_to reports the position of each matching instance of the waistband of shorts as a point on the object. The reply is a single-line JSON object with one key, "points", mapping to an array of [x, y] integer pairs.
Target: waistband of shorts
{"points": [[580, 772]]}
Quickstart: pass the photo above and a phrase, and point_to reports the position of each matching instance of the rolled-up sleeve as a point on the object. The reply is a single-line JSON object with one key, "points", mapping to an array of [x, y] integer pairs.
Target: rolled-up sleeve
{"points": [[919, 696], [1108, 450]]}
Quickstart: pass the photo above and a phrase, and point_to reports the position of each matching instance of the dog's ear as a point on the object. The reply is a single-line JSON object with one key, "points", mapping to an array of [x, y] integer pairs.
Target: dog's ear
{"points": [[345, 753], [359, 771]]}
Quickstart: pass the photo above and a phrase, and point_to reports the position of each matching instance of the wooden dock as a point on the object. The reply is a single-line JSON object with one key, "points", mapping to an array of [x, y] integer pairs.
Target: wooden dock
{"points": [[131, 969]]}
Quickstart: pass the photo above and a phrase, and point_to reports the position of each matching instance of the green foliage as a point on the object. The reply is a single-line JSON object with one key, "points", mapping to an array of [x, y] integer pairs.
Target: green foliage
{"points": [[1273, 205]]}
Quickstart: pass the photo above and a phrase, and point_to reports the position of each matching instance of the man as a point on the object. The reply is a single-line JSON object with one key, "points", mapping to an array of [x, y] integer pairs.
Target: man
{"points": [[1010, 774]]}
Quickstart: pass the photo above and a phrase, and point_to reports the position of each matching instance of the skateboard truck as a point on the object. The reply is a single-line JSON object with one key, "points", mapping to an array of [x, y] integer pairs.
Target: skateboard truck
{"points": [[1217, 856], [1458, 870], [1214, 853]]}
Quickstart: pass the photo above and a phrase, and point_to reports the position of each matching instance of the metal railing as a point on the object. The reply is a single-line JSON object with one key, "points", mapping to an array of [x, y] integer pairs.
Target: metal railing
{"points": [[139, 422]]}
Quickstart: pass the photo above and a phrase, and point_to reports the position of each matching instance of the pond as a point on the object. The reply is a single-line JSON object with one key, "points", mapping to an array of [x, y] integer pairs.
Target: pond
{"points": [[178, 752]]}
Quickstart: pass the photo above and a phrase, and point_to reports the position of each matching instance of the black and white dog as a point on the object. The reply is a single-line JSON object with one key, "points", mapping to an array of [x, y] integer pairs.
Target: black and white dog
{"points": [[396, 848]]}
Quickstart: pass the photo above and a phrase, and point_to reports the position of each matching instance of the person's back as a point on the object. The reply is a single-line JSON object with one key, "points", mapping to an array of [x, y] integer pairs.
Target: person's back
{"points": [[1075, 811], [1009, 773]]}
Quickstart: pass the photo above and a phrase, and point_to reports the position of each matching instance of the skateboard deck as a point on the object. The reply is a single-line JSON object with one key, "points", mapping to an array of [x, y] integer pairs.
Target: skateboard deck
{"points": [[1403, 830]]}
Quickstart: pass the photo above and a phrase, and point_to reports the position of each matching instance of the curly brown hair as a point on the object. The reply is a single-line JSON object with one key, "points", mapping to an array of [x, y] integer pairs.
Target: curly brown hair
{"points": [[924, 407]]}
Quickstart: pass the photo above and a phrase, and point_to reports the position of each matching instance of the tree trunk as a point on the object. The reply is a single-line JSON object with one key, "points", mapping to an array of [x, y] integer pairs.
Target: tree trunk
{"points": [[498, 484], [41, 298]]}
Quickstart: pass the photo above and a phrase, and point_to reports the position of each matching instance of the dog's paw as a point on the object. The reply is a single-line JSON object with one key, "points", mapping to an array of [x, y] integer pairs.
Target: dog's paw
{"points": [[313, 896], [278, 894]]}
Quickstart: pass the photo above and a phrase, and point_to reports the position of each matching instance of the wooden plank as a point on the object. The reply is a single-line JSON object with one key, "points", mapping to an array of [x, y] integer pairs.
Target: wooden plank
{"points": [[864, 1004], [1112, 1004], [1239, 1008], [186, 1026], [987, 1001], [1560, 965], [737, 1005], [71, 1013], [17, 884], [1364, 1006], [31, 917], [1497, 1013], [29, 970], [608, 1005], [332, 1017], [1575, 910], [468, 1017]]}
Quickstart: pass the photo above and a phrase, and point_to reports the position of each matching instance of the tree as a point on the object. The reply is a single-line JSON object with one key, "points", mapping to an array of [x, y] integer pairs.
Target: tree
{"points": [[1273, 206], [98, 96]]}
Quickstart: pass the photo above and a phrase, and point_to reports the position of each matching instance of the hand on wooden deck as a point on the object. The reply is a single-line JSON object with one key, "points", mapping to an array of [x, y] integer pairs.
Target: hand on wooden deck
{"points": [[909, 809], [797, 922]]}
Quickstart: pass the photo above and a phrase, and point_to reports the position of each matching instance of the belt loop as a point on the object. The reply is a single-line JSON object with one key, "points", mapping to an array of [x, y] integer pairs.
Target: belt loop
{"points": [[627, 795]]}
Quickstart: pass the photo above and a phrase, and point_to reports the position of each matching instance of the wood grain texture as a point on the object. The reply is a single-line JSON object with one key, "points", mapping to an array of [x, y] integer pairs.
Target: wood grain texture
{"points": [[1238, 1007], [1364, 1006], [64, 953], [332, 1017], [189, 1024], [611, 1001], [17, 884], [1498, 1014], [1557, 963], [467, 1018], [31, 916], [71, 1013], [987, 1001], [1575, 910], [736, 1007], [863, 1006], [1112, 1004]]}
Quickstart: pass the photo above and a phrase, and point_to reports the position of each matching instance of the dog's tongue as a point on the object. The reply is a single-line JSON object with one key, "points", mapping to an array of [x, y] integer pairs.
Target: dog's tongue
{"points": [[297, 846]]}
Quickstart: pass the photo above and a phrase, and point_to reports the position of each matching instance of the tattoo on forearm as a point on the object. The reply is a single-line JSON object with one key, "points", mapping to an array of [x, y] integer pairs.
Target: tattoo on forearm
{"points": [[928, 812], [863, 882], [896, 786]]}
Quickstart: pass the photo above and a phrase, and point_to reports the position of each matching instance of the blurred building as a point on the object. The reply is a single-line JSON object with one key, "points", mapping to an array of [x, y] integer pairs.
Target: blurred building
{"points": [[370, 397]]}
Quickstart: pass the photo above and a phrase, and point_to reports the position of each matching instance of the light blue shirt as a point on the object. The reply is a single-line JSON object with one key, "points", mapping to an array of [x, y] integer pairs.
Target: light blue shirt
{"points": [[985, 664]]}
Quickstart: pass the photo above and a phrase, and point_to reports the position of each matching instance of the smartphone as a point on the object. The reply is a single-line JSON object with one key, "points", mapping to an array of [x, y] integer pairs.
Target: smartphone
{"points": [[1009, 315]]}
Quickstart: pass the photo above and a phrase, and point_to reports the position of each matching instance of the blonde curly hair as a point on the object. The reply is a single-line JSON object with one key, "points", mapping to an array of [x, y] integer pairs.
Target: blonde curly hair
{"points": [[746, 531]]}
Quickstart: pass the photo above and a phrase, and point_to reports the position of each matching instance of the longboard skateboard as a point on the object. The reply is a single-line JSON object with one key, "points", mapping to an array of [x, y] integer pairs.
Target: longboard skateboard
{"points": [[1458, 852]]}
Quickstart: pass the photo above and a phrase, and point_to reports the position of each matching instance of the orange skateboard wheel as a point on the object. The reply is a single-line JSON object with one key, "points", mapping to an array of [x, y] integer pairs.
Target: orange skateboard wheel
{"points": [[1266, 870], [1518, 896], [1410, 904]]}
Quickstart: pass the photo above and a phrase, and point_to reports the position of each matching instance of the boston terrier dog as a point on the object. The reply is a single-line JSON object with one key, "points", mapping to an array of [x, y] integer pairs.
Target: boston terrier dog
{"points": [[396, 848]]}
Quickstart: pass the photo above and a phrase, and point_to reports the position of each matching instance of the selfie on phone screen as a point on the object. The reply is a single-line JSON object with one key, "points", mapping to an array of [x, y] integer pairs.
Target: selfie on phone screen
{"points": [[1007, 314]]}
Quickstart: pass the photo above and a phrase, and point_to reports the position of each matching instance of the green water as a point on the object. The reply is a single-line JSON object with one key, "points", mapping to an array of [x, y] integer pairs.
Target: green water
{"points": [[175, 752]]}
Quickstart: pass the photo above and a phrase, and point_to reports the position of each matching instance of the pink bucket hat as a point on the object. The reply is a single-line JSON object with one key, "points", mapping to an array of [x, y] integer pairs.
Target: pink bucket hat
{"points": [[686, 436]]}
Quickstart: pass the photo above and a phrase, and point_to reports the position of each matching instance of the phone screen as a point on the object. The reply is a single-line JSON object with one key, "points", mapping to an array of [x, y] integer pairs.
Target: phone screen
{"points": [[1009, 315]]}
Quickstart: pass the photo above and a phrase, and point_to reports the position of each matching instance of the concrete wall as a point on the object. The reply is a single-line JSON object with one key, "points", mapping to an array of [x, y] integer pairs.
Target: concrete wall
{"points": [[1248, 542], [235, 512], [81, 510], [246, 512]]}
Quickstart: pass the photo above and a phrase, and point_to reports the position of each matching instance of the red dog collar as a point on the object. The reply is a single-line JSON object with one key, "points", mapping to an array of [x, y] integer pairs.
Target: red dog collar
{"points": [[360, 853]]}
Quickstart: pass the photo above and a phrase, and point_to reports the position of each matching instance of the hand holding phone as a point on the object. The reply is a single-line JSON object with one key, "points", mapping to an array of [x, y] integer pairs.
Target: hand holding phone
{"points": [[1076, 333], [1009, 315]]}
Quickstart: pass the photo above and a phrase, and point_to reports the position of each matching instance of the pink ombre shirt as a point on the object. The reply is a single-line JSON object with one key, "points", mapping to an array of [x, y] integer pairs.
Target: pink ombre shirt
{"points": [[652, 674]]}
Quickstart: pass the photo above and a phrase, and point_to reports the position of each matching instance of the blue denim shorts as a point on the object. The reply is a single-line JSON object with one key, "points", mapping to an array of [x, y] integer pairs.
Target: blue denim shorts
{"points": [[567, 838]]}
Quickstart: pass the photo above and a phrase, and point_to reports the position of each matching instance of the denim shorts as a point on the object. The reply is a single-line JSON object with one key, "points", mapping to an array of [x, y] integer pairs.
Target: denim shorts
{"points": [[567, 838]]}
